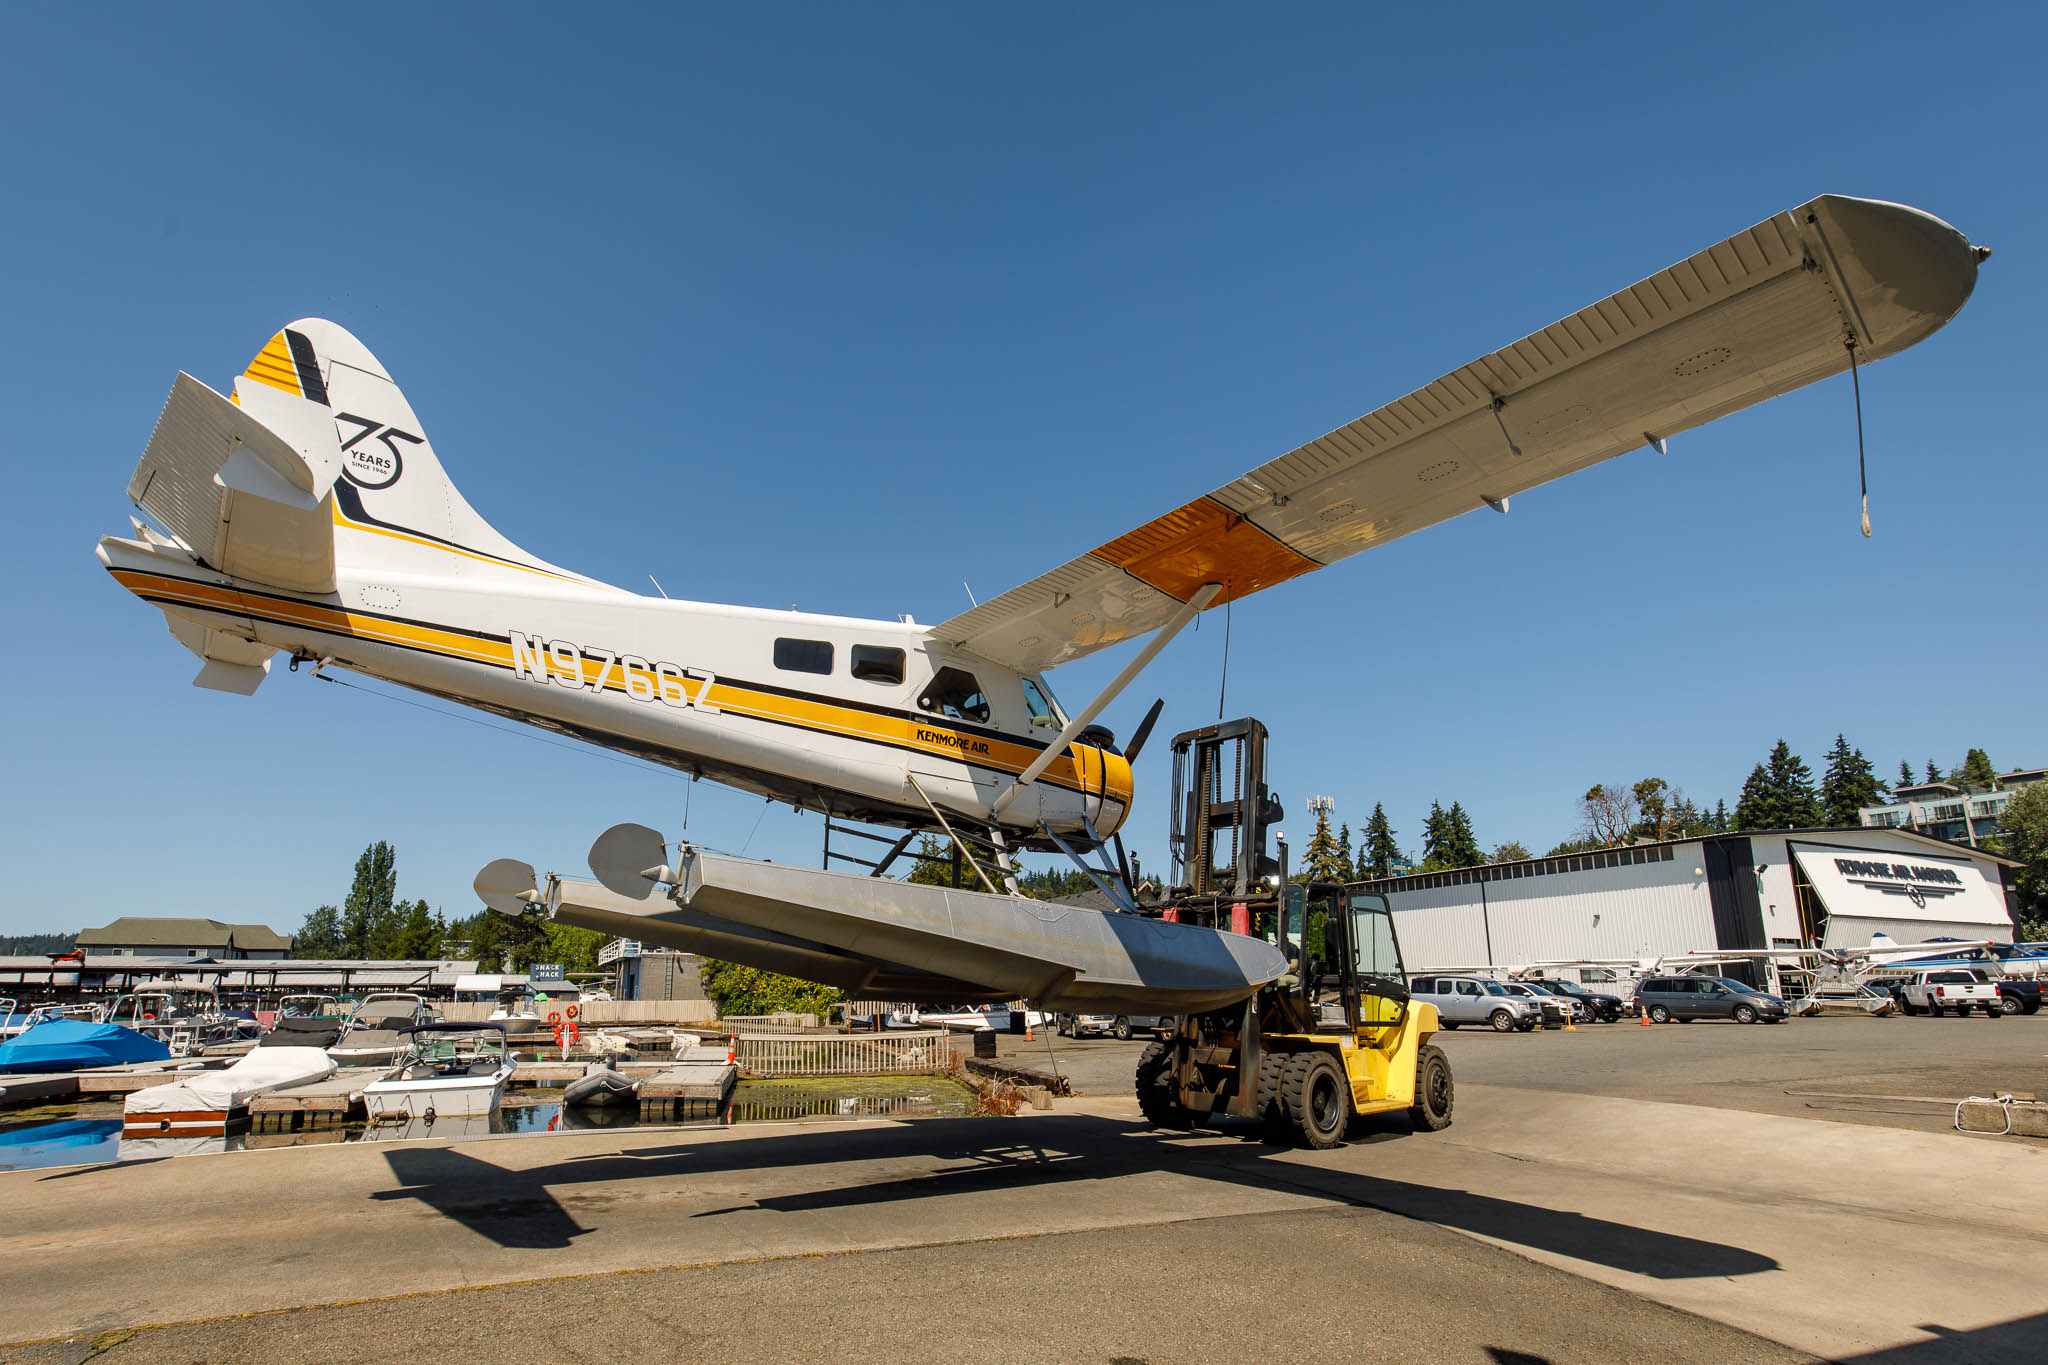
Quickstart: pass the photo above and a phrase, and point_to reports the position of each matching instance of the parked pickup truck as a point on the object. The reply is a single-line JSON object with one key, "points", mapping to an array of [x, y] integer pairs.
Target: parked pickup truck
{"points": [[1940, 990], [2019, 994]]}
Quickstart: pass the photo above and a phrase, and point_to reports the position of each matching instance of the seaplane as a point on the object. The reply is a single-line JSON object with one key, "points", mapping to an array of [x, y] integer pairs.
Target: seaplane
{"points": [[305, 512]]}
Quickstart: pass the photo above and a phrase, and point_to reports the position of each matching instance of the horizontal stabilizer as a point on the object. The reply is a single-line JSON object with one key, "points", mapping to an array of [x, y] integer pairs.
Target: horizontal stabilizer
{"points": [[239, 495], [230, 663]]}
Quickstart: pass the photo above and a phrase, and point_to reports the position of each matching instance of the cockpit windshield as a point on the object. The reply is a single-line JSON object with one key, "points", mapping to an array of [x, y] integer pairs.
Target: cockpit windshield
{"points": [[1045, 711]]}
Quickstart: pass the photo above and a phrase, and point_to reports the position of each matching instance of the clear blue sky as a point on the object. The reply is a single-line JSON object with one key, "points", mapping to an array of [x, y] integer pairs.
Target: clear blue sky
{"points": [[843, 305]]}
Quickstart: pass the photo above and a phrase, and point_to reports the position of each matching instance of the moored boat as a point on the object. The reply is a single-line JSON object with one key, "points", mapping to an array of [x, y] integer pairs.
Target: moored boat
{"points": [[371, 1036], [78, 1044], [217, 1102], [601, 1086], [443, 1068]]}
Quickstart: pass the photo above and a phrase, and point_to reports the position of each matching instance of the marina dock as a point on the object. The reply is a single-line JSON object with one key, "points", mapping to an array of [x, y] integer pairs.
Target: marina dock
{"points": [[51, 1087]]}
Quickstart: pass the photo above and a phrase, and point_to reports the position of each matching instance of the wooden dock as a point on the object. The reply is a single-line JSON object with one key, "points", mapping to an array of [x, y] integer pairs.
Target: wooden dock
{"points": [[687, 1087], [338, 1099], [56, 1086]]}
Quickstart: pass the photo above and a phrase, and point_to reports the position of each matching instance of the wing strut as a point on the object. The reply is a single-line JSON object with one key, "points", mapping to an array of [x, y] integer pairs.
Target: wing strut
{"points": [[1204, 595]]}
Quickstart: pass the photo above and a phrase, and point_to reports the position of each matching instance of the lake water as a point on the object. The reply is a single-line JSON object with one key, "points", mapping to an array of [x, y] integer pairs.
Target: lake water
{"points": [[90, 1133]]}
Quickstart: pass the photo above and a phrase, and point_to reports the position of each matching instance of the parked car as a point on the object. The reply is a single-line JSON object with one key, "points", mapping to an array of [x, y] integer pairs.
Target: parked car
{"points": [[1476, 1000], [1605, 1008], [1938, 990], [1686, 998], [1116, 1025], [1557, 1011]]}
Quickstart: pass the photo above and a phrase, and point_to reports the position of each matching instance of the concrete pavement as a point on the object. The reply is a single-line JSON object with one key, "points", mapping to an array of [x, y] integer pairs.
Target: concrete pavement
{"points": [[1830, 1238]]}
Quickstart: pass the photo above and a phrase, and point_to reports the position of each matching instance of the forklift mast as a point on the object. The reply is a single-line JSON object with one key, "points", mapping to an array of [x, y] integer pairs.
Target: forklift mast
{"points": [[1221, 811]]}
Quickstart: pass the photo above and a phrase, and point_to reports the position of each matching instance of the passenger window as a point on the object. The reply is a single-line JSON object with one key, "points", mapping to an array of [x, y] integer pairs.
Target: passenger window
{"points": [[1468, 988], [1043, 713], [954, 693], [804, 656], [873, 663]]}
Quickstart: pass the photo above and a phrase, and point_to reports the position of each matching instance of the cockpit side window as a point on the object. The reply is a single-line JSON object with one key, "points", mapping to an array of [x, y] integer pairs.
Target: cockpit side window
{"points": [[1044, 713], [954, 693]]}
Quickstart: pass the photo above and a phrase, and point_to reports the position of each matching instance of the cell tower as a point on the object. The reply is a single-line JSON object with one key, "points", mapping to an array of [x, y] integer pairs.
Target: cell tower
{"points": [[1321, 805]]}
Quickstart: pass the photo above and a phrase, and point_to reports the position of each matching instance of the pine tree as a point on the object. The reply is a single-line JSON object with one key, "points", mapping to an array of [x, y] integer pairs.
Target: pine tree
{"points": [[366, 914], [1978, 774], [1720, 814], [1905, 773], [1792, 790], [1436, 839], [1465, 847], [1344, 854], [320, 936], [419, 937], [1847, 786], [1323, 859], [1755, 808], [1933, 773], [1378, 852]]}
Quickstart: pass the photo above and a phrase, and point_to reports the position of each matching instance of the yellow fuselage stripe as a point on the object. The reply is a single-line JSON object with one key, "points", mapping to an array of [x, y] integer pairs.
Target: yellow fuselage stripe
{"points": [[1082, 768]]}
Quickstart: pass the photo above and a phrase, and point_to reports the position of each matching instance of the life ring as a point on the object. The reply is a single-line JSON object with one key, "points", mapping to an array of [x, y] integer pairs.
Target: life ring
{"points": [[570, 1011], [554, 1017]]}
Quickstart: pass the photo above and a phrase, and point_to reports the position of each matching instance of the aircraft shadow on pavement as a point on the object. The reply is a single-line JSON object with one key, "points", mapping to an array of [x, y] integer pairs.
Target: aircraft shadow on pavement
{"points": [[519, 1209], [2019, 1339]]}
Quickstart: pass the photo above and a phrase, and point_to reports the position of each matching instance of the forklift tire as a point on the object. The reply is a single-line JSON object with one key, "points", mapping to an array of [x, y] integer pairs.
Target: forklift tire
{"points": [[1157, 1099], [1435, 1093], [1318, 1099], [1272, 1113]]}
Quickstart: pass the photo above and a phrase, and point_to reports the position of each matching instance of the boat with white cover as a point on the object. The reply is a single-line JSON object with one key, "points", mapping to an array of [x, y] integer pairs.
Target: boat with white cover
{"points": [[217, 1102], [444, 1068]]}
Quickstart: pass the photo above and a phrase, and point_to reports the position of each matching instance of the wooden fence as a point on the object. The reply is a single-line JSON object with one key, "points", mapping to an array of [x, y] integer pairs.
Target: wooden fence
{"points": [[860, 1054]]}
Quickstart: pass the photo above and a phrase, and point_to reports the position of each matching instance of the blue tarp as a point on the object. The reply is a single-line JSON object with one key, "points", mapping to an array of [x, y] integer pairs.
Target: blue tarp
{"points": [[69, 1044]]}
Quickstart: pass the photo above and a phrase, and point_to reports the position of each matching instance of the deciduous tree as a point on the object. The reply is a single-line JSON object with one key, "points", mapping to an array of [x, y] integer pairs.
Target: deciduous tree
{"points": [[2023, 834], [1510, 852], [1608, 813], [368, 927]]}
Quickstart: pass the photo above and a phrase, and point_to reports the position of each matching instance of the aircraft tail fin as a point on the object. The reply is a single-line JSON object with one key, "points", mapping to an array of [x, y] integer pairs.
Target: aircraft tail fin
{"points": [[316, 460]]}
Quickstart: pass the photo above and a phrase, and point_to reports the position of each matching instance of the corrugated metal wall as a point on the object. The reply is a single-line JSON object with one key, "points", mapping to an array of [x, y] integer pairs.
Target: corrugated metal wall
{"points": [[1626, 911]]}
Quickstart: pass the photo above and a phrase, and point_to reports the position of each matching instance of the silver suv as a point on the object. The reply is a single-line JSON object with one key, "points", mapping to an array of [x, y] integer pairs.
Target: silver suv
{"points": [[1476, 1000]]}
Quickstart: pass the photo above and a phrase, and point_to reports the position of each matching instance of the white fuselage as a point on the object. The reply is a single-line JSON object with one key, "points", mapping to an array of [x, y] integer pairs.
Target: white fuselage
{"points": [[829, 713]]}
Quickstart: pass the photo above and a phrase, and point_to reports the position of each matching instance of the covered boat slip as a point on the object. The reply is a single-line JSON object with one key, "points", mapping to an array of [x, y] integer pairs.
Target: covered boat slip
{"points": [[904, 939]]}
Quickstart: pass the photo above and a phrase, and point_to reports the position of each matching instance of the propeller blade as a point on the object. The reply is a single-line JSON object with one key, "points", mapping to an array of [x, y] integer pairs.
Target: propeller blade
{"points": [[507, 886], [1144, 731]]}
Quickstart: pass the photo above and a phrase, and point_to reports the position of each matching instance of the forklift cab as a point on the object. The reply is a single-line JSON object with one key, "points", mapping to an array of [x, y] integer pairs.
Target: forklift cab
{"points": [[1347, 971]]}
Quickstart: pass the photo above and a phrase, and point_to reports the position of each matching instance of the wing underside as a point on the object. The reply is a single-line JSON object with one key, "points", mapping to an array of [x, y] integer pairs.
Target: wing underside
{"points": [[1764, 312]]}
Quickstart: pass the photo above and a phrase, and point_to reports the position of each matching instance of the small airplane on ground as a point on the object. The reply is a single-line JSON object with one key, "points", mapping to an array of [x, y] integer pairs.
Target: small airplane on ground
{"points": [[306, 512]]}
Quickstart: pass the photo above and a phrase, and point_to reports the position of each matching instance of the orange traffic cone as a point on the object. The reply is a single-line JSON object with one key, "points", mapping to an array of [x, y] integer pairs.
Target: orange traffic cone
{"points": [[731, 1052], [1644, 1018]]}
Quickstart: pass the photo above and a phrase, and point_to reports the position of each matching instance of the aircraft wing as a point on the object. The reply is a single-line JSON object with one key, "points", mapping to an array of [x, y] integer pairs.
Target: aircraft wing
{"points": [[1764, 312]]}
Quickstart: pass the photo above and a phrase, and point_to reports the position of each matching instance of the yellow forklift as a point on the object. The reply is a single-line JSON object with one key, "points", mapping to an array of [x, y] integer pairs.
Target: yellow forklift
{"points": [[1336, 1038]]}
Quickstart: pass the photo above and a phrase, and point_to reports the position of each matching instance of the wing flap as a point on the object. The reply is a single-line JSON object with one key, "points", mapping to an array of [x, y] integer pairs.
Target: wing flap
{"points": [[1766, 311]]}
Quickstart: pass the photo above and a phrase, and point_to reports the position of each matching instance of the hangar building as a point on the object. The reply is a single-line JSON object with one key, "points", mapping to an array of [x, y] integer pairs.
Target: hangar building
{"points": [[1827, 888]]}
